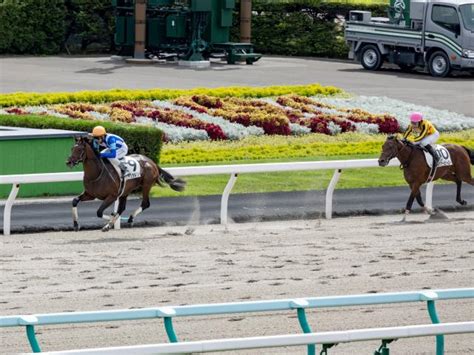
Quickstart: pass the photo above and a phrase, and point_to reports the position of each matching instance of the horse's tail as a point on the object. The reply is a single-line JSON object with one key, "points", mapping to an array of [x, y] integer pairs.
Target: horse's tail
{"points": [[471, 154], [175, 184]]}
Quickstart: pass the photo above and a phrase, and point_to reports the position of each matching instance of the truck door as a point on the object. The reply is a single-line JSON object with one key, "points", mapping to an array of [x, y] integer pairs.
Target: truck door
{"points": [[443, 31]]}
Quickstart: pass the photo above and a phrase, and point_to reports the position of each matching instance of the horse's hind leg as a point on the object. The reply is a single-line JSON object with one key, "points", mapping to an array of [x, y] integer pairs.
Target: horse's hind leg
{"points": [[458, 193], [458, 182], [143, 206], [75, 216], [115, 216], [100, 212]]}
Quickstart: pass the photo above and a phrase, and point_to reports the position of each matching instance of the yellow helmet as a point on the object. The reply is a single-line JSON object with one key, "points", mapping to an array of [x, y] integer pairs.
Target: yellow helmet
{"points": [[99, 131]]}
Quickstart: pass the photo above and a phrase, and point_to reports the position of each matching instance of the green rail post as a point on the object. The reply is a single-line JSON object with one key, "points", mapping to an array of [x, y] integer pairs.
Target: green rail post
{"points": [[30, 333], [170, 330], [430, 297], [168, 319], [300, 305], [29, 322]]}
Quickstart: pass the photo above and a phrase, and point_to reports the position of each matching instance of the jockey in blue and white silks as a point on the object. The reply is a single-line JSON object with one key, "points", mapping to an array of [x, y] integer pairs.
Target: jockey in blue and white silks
{"points": [[115, 147]]}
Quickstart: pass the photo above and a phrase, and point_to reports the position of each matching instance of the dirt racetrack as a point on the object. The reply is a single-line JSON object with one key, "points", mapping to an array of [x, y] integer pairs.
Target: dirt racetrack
{"points": [[165, 266]]}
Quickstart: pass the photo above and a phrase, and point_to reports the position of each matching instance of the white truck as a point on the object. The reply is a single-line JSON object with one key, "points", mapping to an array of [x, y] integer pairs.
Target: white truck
{"points": [[437, 35]]}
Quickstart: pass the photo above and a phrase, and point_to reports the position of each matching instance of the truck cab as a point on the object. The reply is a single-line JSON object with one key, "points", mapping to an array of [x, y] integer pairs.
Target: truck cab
{"points": [[435, 34]]}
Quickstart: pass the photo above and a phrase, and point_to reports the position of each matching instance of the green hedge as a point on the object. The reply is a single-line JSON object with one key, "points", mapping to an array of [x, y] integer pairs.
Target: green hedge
{"points": [[140, 139], [32, 26], [301, 28], [53, 26]]}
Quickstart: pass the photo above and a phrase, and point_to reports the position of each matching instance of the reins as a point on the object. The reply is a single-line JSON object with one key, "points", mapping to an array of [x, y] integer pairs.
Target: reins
{"points": [[407, 161]]}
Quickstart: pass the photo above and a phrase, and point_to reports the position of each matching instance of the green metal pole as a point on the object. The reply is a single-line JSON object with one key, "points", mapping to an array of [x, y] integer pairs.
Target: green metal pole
{"points": [[306, 329], [30, 333], [435, 320], [170, 330]]}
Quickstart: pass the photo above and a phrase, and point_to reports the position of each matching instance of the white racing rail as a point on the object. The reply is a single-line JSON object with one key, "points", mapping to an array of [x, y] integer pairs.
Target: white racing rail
{"points": [[338, 165], [283, 340]]}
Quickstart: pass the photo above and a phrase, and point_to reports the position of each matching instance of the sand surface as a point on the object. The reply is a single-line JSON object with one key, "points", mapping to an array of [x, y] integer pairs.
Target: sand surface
{"points": [[165, 266]]}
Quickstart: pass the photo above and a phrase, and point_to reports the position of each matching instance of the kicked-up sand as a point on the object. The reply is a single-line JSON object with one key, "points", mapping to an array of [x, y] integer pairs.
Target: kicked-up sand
{"points": [[169, 266]]}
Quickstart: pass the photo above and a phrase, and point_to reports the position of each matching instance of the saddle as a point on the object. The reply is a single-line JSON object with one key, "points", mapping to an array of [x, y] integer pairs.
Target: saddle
{"points": [[444, 158], [131, 168]]}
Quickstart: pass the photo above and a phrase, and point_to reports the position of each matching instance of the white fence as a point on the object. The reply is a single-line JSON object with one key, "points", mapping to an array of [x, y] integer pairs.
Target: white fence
{"points": [[283, 340], [338, 165]]}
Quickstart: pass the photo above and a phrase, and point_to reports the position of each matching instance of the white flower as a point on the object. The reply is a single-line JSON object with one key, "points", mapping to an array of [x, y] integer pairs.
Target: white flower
{"points": [[443, 120], [233, 131], [334, 128], [99, 116], [368, 128], [174, 133], [36, 110], [299, 130]]}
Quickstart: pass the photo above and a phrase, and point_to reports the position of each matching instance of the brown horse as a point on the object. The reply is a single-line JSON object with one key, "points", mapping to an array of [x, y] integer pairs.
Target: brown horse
{"points": [[416, 171], [102, 181]]}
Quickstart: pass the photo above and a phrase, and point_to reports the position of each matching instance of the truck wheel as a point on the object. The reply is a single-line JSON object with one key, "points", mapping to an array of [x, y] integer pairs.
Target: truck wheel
{"points": [[439, 64], [370, 57]]}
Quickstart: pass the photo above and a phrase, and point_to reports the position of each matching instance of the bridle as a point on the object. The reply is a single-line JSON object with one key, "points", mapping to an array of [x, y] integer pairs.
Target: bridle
{"points": [[407, 162]]}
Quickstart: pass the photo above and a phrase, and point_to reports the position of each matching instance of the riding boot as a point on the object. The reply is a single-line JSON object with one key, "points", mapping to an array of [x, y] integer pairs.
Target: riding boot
{"points": [[432, 151], [123, 168]]}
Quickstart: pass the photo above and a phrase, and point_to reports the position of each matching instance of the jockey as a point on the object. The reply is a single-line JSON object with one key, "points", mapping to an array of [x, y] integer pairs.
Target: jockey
{"points": [[424, 133], [115, 147]]}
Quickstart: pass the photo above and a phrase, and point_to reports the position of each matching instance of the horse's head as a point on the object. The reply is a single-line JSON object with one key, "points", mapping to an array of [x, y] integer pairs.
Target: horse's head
{"points": [[78, 151], [389, 150]]}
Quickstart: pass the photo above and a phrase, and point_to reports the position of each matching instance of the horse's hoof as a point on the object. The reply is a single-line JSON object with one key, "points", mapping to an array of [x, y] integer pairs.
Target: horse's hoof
{"points": [[130, 219], [463, 203], [76, 227], [106, 228]]}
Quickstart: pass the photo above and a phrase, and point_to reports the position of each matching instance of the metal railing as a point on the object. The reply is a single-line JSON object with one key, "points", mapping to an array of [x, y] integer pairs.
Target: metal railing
{"points": [[326, 339], [300, 305], [233, 170]]}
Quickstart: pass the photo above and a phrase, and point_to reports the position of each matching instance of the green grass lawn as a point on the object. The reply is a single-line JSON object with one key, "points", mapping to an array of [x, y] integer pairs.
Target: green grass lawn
{"points": [[306, 148], [288, 181]]}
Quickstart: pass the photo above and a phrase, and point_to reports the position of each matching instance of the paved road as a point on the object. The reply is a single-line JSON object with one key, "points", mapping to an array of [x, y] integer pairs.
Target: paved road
{"points": [[47, 74], [242, 207]]}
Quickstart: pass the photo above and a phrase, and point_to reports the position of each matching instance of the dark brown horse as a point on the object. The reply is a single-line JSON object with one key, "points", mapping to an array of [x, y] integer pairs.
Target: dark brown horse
{"points": [[103, 182], [416, 171]]}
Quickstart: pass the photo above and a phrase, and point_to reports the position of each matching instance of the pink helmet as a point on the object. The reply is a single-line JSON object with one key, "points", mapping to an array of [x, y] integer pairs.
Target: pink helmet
{"points": [[416, 116]]}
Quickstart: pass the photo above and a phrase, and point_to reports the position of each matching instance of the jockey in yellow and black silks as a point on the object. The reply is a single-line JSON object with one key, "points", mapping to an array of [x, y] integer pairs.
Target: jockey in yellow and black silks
{"points": [[422, 132]]}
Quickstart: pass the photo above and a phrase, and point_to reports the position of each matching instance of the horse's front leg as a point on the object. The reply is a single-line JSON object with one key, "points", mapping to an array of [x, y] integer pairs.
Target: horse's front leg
{"points": [[419, 199], [415, 191], [75, 216]]}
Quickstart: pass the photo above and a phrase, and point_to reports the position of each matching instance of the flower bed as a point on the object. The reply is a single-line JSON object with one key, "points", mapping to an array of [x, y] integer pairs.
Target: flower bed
{"points": [[202, 117], [205, 117]]}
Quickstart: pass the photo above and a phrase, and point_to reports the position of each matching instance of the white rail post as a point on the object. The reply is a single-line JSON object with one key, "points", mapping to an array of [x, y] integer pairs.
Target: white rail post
{"points": [[117, 222], [330, 192], [225, 197], [7, 212], [429, 195]]}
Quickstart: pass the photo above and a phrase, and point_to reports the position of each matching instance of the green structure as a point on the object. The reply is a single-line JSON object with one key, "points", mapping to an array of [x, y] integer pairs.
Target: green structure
{"points": [[399, 12], [191, 30], [33, 151]]}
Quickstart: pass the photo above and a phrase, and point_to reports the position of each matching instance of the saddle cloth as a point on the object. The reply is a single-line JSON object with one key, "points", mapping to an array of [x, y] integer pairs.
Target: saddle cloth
{"points": [[443, 155], [133, 169]]}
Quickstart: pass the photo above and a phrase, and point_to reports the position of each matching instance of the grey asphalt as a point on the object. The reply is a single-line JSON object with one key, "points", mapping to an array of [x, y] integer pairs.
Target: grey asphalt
{"points": [[49, 215], [49, 74]]}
